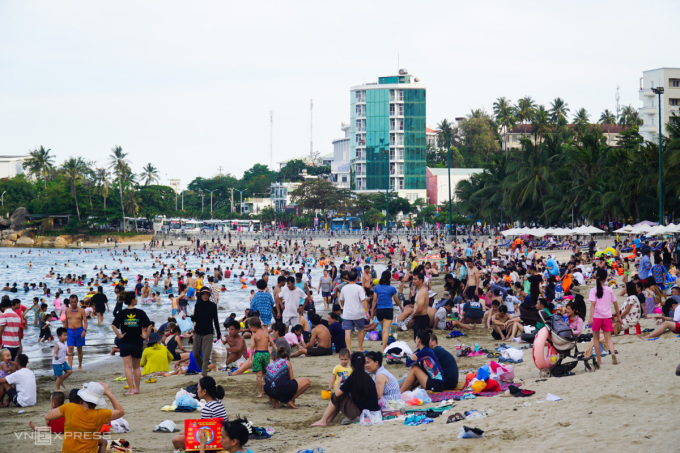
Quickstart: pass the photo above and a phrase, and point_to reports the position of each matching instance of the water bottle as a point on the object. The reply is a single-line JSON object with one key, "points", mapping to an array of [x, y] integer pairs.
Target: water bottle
{"points": [[476, 347], [458, 345]]}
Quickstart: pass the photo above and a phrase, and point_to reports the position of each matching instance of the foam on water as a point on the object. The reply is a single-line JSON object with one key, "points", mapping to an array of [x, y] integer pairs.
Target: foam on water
{"points": [[79, 262]]}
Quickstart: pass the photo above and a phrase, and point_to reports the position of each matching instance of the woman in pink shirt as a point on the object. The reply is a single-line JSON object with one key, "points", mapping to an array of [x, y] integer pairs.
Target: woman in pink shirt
{"points": [[601, 298]]}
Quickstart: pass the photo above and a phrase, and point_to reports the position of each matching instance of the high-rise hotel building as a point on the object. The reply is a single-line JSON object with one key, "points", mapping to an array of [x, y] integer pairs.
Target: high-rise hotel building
{"points": [[387, 136]]}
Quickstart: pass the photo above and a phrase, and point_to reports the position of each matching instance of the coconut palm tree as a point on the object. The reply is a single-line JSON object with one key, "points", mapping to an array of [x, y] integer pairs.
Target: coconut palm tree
{"points": [[629, 116], [525, 110], [40, 163], [581, 121], [558, 112], [73, 170], [504, 113], [150, 174], [540, 123], [119, 164], [103, 183], [607, 117]]}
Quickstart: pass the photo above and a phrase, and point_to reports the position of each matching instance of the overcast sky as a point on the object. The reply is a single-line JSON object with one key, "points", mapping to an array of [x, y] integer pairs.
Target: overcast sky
{"points": [[188, 86]]}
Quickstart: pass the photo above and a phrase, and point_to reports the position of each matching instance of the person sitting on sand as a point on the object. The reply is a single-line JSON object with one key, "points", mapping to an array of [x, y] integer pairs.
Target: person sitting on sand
{"points": [[320, 342], [280, 383], [234, 436], [212, 393], [83, 421], [386, 384], [357, 393], [425, 369], [56, 426], [156, 357], [237, 345], [20, 385], [671, 324]]}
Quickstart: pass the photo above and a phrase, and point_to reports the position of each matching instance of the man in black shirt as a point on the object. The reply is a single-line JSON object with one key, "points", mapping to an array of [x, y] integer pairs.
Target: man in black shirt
{"points": [[205, 314], [101, 304]]}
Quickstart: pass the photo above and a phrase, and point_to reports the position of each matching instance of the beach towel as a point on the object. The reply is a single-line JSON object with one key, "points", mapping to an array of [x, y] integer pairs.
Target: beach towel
{"points": [[442, 396]]}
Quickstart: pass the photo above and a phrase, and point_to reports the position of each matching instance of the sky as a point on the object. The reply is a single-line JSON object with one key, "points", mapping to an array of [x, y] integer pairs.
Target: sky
{"points": [[189, 86]]}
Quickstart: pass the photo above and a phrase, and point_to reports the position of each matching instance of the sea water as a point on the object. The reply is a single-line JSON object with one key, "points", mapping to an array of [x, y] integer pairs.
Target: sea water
{"points": [[15, 267]]}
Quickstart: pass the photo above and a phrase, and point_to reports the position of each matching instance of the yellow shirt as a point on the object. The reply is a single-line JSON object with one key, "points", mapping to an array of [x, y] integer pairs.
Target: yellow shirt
{"points": [[156, 358], [82, 427], [341, 374]]}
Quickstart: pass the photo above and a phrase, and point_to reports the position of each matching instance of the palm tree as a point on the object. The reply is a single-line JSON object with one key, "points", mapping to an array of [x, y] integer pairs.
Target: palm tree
{"points": [[581, 121], [103, 183], [73, 170], [525, 110], [121, 168], [540, 123], [504, 113], [150, 173], [629, 116], [132, 205], [40, 163], [607, 117], [558, 112]]}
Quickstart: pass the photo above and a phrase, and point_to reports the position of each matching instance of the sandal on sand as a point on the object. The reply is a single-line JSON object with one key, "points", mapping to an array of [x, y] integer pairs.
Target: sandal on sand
{"points": [[150, 381], [455, 418], [127, 387], [119, 378]]}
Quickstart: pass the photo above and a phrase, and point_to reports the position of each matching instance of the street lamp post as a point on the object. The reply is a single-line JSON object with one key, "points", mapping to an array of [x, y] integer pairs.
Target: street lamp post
{"points": [[211, 205], [387, 193], [448, 165], [241, 193], [659, 91], [2, 197]]}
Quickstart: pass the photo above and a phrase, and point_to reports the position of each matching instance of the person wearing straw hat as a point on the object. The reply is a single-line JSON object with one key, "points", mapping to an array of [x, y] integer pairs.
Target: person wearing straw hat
{"points": [[83, 422]]}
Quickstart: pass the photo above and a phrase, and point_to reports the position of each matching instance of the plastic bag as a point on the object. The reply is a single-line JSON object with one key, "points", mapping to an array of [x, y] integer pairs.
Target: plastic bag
{"points": [[513, 353], [505, 372], [421, 394], [186, 401], [370, 418], [483, 373], [219, 354]]}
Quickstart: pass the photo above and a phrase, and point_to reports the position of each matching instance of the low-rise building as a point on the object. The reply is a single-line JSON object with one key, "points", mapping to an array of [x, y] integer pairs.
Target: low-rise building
{"points": [[438, 182], [255, 205], [280, 194], [610, 131], [340, 167]]}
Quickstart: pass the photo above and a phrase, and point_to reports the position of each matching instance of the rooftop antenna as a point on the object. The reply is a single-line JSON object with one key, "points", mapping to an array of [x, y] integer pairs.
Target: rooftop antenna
{"points": [[398, 63], [271, 139], [311, 127], [617, 103]]}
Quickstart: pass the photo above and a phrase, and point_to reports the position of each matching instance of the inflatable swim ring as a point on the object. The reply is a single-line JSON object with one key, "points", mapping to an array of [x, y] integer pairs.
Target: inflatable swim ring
{"points": [[544, 354]]}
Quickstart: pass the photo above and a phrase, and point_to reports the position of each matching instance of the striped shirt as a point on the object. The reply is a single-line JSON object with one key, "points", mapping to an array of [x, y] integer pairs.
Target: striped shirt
{"points": [[12, 323], [391, 390], [214, 409]]}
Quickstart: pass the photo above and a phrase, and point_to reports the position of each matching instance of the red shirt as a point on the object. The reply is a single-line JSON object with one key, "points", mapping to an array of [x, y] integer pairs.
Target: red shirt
{"points": [[12, 323], [57, 426], [20, 311]]}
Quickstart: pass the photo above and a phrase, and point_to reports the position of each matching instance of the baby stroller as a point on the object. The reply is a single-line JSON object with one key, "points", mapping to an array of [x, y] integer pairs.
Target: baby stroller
{"points": [[556, 343]]}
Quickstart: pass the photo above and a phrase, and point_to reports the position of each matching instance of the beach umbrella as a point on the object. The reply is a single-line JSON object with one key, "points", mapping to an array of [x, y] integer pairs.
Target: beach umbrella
{"points": [[626, 229]]}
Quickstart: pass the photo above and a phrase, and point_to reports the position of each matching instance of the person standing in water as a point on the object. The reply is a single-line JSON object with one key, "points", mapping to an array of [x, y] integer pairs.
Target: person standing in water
{"points": [[76, 324]]}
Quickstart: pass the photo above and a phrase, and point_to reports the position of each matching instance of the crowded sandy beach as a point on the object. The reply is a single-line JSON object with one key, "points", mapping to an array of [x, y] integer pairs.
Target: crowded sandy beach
{"points": [[506, 395]]}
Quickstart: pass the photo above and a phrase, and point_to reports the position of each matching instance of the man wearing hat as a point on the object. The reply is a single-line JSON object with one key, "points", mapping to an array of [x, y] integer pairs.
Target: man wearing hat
{"points": [[83, 421], [205, 314]]}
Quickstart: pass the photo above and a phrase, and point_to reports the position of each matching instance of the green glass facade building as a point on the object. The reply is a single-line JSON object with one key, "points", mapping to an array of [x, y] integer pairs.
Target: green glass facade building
{"points": [[387, 136]]}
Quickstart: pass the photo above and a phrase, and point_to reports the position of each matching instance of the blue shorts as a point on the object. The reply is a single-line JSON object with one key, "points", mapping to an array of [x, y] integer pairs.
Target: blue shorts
{"points": [[75, 338], [191, 292], [60, 369], [325, 293], [351, 324]]}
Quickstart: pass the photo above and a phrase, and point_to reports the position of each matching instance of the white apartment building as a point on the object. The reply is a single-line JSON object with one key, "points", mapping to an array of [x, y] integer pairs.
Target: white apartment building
{"points": [[10, 166], [669, 80], [255, 205], [340, 167], [280, 194]]}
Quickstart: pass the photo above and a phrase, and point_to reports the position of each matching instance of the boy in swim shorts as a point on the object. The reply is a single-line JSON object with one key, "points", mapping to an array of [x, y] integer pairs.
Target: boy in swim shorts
{"points": [[260, 342]]}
